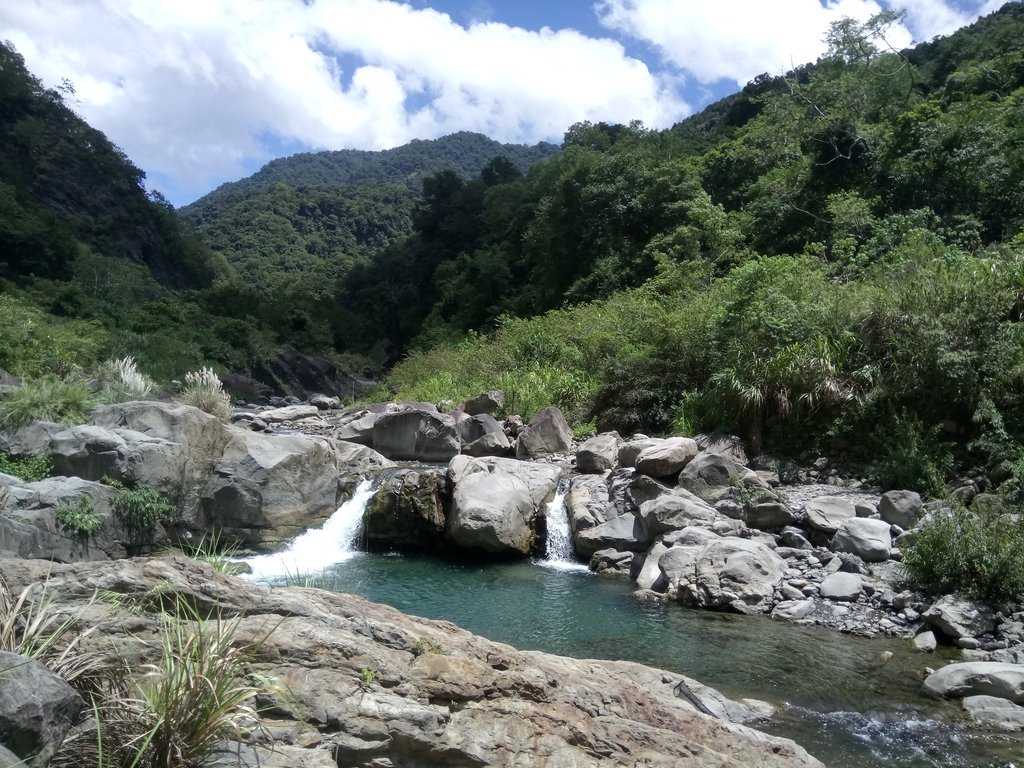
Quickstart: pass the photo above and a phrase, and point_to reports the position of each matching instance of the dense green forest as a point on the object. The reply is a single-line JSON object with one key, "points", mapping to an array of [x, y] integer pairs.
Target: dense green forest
{"points": [[830, 259]]}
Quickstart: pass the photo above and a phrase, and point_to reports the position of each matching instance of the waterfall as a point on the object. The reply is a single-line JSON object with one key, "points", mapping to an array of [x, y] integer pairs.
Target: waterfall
{"points": [[560, 550], [318, 548]]}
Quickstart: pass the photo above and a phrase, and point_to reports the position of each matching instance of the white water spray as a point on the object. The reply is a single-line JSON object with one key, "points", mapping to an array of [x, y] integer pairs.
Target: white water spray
{"points": [[318, 548], [560, 551]]}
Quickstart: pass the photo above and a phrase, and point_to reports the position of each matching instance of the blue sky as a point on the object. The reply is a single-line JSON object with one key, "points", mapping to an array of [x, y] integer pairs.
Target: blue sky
{"points": [[199, 92]]}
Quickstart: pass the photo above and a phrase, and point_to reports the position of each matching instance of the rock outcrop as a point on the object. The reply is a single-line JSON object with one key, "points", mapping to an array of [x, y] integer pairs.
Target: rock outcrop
{"points": [[438, 695]]}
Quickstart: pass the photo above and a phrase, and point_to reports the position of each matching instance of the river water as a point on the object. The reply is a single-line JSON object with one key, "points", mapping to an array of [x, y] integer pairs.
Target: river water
{"points": [[841, 697]]}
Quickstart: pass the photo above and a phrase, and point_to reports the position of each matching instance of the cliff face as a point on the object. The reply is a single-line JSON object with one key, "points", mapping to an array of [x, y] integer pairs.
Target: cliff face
{"points": [[371, 686]]}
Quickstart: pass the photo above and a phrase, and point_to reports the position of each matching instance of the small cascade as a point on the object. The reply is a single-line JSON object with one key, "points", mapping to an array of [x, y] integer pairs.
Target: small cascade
{"points": [[334, 542], [560, 550]]}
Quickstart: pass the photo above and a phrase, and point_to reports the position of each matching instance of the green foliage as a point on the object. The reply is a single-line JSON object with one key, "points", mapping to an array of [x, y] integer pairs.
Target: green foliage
{"points": [[139, 511], [424, 646], [977, 552], [31, 469], [203, 389], [78, 516], [122, 381], [48, 398], [33, 343], [910, 455], [215, 553], [367, 676]]}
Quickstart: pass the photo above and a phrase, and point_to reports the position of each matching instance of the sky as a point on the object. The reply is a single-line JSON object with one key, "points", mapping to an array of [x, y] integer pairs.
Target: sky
{"points": [[199, 92]]}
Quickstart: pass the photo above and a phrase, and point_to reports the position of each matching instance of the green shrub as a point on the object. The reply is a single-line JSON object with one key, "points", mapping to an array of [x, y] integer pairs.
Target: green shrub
{"points": [[31, 468], [977, 552], [78, 515], [122, 381], [910, 456], [49, 398], [203, 389], [138, 511]]}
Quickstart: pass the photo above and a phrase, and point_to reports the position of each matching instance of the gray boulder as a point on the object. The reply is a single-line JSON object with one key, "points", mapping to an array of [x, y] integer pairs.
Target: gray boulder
{"points": [[632, 448], [650, 575], [37, 708], [735, 574], [548, 432], [792, 610], [724, 445], [768, 515], [491, 444], [827, 513], [625, 532], [416, 434], [672, 512], [868, 539], [841, 587], [589, 502], [974, 678], [485, 402], [612, 562], [406, 512], [709, 475], [289, 413], [957, 617], [926, 642], [324, 402], [357, 427], [472, 428], [667, 457], [598, 454], [994, 712], [902, 508]]}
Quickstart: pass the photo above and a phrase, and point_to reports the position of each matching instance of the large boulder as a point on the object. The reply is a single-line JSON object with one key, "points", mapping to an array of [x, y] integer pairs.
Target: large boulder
{"points": [[978, 678], [495, 502], [709, 475], [734, 574], [841, 586], [356, 427], [902, 508], [482, 435], [589, 502], [406, 512], [486, 402], [828, 513], [633, 447], [598, 454], [675, 511], [768, 515], [993, 712], [289, 413], [956, 617], [548, 432], [625, 532], [416, 434], [869, 539], [37, 708], [667, 457]]}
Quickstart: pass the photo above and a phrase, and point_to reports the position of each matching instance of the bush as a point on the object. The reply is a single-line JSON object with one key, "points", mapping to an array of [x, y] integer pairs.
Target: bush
{"points": [[78, 515], [977, 552], [122, 381], [138, 511], [49, 398], [203, 389], [910, 456], [31, 469]]}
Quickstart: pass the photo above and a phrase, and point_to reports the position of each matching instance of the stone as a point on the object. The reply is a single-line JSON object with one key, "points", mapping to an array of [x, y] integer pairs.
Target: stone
{"points": [[472, 428], [650, 575], [588, 502], [598, 454], [724, 445], [324, 402], [548, 432], [792, 610], [667, 457], [612, 562], [769, 515], [678, 565], [971, 678], [794, 538], [357, 427], [735, 574], [957, 617], [673, 512], [37, 709], [902, 508], [866, 538], [486, 402], [289, 413], [475, 703], [994, 712], [415, 434], [625, 532], [491, 444], [406, 511], [827, 513], [632, 448], [926, 642], [841, 587]]}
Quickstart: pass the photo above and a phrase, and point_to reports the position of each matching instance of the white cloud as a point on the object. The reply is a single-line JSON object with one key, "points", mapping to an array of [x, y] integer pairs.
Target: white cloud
{"points": [[191, 89]]}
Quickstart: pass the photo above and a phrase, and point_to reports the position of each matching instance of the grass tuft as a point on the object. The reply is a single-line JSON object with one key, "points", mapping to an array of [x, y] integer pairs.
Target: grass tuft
{"points": [[203, 389]]}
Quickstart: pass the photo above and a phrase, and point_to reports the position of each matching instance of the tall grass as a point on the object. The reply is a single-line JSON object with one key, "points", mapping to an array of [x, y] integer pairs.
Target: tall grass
{"points": [[122, 381], [48, 398], [203, 389]]}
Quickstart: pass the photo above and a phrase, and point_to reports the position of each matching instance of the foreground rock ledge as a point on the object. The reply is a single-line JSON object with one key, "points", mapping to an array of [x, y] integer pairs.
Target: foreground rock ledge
{"points": [[440, 696]]}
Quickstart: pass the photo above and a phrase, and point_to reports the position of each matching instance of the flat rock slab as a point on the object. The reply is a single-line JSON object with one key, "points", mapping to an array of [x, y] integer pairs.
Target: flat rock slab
{"points": [[868, 539], [971, 678], [842, 587], [995, 713], [827, 513], [289, 413], [956, 617]]}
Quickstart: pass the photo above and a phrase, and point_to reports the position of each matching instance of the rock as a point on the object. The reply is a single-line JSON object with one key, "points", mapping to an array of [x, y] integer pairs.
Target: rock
{"points": [[625, 532], [956, 617], [588, 502], [736, 574], [598, 454], [650, 575], [902, 508], [678, 565], [793, 537], [324, 402], [989, 678], [632, 448], [673, 512], [472, 428], [769, 515], [827, 513], [994, 712], [724, 445], [289, 413], [357, 427], [866, 538], [406, 512], [291, 372], [926, 642], [792, 610], [37, 708], [841, 587], [612, 562], [485, 402], [491, 444], [547, 433], [709, 473], [416, 434], [496, 501], [667, 457]]}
